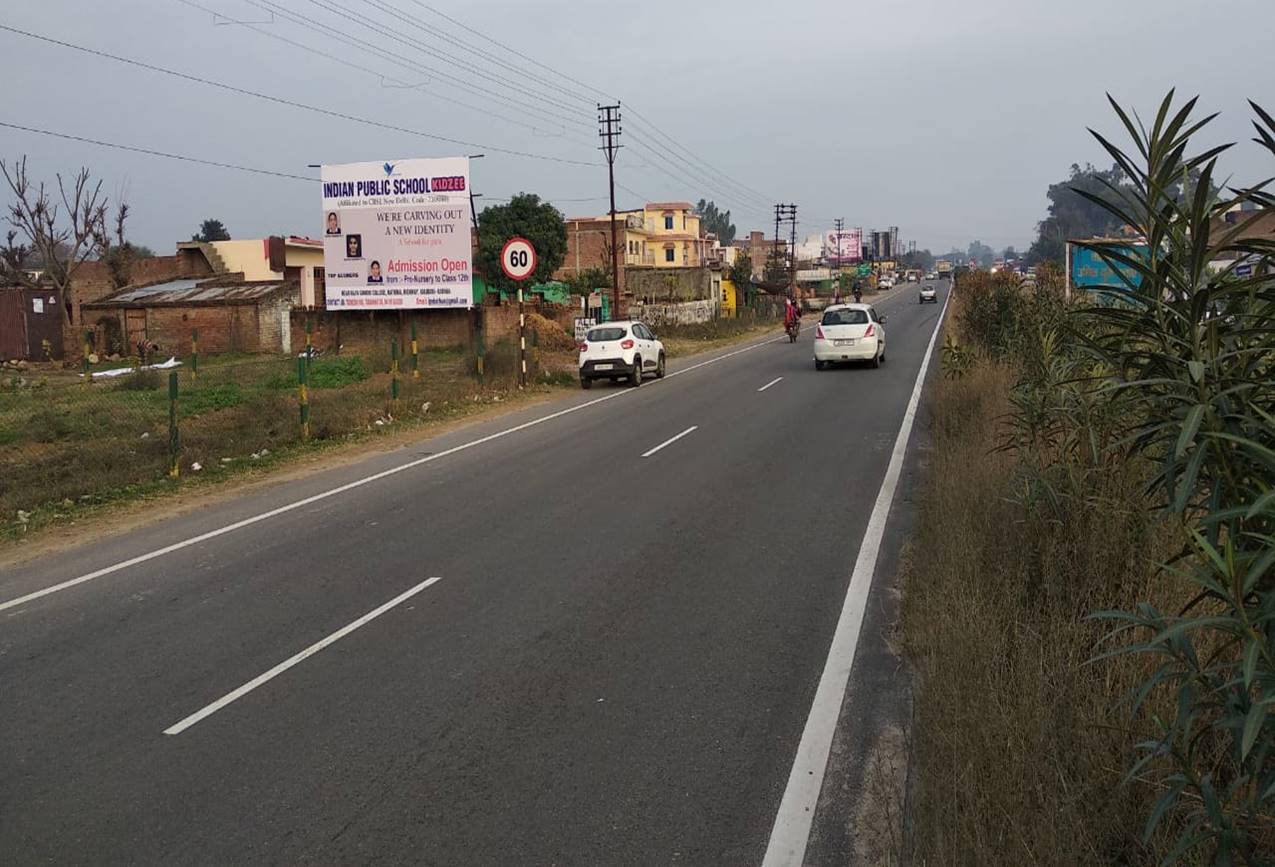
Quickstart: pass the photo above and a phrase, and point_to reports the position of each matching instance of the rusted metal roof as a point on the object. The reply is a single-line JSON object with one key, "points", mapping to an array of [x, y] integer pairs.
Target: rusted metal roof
{"points": [[177, 292]]}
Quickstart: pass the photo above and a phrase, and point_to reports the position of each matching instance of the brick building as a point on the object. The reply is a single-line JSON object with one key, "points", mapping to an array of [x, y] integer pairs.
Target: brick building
{"points": [[230, 316]]}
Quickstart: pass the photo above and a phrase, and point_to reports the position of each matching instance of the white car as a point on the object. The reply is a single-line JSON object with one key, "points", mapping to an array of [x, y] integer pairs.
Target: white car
{"points": [[928, 294], [850, 332], [620, 350], [885, 283]]}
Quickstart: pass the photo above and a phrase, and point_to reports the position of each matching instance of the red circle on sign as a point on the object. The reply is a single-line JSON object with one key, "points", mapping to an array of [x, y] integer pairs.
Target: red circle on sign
{"points": [[524, 253]]}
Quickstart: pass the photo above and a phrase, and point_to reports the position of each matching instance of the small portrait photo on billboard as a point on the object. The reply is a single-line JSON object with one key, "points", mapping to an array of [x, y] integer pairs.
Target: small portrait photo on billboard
{"points": [[334, 223], [374, 272], [354, 246]]}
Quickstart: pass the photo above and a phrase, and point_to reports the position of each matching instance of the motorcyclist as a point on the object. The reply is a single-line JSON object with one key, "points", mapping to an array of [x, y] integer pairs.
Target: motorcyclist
{"points": [[792, 315], [858, 292]]}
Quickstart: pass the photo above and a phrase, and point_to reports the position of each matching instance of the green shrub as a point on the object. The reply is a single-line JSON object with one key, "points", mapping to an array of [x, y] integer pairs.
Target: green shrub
{"points": [[336, 372]]}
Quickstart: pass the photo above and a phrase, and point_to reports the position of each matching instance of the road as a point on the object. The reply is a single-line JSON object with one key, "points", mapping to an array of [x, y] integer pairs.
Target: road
{"points": [[615, 664]]}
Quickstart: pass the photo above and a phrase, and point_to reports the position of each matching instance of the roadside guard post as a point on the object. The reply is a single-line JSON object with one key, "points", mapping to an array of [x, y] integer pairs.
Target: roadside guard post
{"points": [[518, 261], [194, 354], [416, 359], [174, 442]]}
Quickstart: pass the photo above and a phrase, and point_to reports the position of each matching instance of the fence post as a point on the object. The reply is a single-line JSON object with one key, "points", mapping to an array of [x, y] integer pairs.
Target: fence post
{"points": [[394, 373], [88, 370], [174, 441], [303, 396], [482, 351], [194, 354], [309, 342], [416, 361]]}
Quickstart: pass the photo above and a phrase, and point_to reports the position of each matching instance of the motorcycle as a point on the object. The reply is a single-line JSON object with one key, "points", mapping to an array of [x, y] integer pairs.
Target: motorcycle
{"points": [[792, 328]]}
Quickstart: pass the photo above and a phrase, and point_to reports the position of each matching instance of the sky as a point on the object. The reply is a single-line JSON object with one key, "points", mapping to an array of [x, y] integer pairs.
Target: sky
{"points": [[948, 120]]}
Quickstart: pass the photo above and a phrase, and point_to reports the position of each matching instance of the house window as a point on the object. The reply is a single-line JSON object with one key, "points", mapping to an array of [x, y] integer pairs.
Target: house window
{"points": [[668, 221], [683, 221], [668, 254]]}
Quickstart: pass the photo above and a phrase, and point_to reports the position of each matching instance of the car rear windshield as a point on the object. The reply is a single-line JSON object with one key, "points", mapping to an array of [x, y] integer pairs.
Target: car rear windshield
{"points": [[846, 317], [598, 335]]}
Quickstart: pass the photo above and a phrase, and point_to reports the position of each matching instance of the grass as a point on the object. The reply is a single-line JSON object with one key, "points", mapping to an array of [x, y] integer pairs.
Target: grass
{"points": [[74, 448], [1020, 741]]}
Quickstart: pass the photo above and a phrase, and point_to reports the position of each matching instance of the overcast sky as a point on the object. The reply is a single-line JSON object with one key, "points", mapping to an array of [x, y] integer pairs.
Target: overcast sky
{"points": [[946, 119]]}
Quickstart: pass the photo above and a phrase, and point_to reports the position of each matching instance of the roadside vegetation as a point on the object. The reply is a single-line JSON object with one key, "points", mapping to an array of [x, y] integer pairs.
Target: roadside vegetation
{"points": [[1090, 596]]}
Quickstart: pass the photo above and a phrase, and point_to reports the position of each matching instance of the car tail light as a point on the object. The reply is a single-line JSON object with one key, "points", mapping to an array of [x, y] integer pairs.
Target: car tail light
{"points": [[869, 332], [584, 347], [819, 333], [626, 344]]}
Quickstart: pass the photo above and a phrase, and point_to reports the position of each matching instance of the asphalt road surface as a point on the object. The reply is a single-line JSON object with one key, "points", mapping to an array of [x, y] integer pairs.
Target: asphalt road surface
{"points": [[549, 644]]}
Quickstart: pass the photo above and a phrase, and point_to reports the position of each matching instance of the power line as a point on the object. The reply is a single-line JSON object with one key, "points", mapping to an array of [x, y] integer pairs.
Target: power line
{"points": [[327, 57], [292, 103], [725, 179], [495, 58], [376, 27], [345, 38], [155, 153], [644, 121]]}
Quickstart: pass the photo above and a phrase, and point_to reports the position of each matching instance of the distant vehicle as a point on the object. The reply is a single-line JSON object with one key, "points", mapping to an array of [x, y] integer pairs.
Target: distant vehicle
{"points": [[944, 268], [850, 332], [620, 350], [912, 275], [928, 295], [931, 275], [886, 282]]}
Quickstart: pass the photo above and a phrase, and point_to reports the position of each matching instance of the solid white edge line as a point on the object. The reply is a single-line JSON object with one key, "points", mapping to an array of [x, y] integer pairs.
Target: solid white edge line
{"points": [[769, 384], [236, 694], [791, 832], [671, 440], [357, 483]]}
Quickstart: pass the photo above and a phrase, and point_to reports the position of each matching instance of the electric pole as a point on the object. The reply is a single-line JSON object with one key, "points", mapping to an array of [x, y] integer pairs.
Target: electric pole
{"points": [[839, 223], [792, 249], [609, 121]]}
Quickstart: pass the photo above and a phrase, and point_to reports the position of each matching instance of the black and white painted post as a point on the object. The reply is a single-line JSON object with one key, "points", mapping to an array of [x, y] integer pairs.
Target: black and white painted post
{"points": [[518, 261]]}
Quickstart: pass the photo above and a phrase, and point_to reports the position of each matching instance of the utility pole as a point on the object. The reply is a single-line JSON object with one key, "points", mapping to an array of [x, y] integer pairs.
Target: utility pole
{"points": [[609, 121], [792, 249], [774, 251]]}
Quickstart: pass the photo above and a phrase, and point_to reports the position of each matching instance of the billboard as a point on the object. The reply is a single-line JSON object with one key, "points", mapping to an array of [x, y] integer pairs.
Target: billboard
{"points": [[396, 234], [851, 249], [1088, 271]]}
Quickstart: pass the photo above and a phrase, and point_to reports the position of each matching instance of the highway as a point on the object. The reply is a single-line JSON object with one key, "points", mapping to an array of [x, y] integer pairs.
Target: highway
{"points": [[588, 632]]}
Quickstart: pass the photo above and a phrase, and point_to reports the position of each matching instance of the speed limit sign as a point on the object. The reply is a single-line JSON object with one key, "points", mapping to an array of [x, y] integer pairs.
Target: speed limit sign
{"points": [[518, 259]]}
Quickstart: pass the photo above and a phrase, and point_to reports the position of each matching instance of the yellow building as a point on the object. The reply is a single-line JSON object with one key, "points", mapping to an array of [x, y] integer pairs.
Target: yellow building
{"points": [[673, 238], [296, 259], [658, 235]]}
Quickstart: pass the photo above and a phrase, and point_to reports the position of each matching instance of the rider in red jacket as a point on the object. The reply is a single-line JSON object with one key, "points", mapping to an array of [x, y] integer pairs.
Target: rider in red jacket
{"points": [[792, 313]]}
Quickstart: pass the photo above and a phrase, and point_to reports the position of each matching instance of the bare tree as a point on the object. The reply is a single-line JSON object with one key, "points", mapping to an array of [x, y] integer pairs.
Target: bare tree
{"points": [[118, 253], [62, 235]]}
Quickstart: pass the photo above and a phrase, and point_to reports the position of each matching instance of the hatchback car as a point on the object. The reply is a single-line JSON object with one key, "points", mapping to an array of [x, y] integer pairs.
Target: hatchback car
{"points": [[850, 332], [928, 294], [620, 350]]}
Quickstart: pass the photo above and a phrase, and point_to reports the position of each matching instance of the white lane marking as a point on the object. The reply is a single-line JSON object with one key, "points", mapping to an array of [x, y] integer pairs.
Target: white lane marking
{"points": [[791, 831], [234, 695], [349, 486], [769, 384], [670, 440]]}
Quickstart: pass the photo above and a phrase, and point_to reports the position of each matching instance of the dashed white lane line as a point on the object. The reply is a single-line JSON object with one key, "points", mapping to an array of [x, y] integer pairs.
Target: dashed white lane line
{"points": [[670, 441], [790, 834], [349, 486], [769, 384], [234, 695]]}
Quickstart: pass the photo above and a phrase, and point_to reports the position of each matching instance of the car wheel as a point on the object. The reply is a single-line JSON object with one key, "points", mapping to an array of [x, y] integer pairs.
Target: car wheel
{"points": [[820, 365], [659, 369], [876, 358], [635, 378], [586, 383]]}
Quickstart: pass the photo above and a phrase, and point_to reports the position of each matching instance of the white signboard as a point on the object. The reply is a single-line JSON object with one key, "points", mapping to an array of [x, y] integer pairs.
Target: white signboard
{"points": [[850, 246], [396, 235], [583, 324]]}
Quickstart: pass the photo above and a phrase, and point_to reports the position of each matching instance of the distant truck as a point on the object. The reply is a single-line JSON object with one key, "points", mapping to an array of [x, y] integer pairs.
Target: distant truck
{"points": [[944, 268]]}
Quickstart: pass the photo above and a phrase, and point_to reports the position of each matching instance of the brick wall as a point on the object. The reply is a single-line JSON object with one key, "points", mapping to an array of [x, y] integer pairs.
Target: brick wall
{"points": [[588, 247]]}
